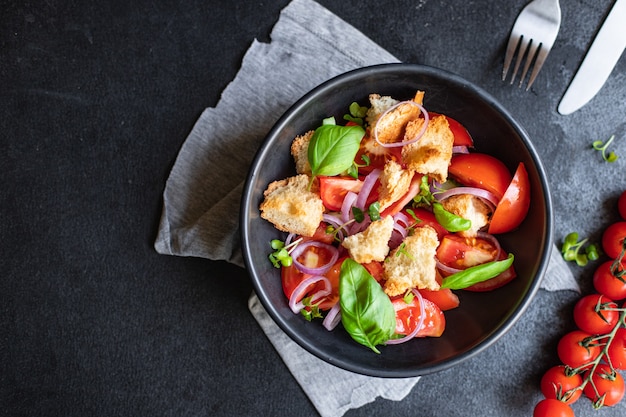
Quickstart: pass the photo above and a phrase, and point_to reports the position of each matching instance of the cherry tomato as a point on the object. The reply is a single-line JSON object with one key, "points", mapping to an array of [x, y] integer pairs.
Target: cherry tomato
{"points": [[621, 205], [550, 407], [461, 135], [482, 171], [556, 384], [613, 239], [333, 190], [617, 350], [408, 317], [605, 282], [596, 314], [576, 350], [609, 385], [514, 205], [291, 277]]}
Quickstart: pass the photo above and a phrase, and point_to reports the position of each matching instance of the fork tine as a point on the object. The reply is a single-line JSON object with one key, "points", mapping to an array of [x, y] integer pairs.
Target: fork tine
{"points": [[541, 58], [529, 60], [510, 52], [520, 56]]}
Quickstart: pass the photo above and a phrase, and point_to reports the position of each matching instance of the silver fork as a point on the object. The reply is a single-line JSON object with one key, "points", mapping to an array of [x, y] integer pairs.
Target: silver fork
{"points": [[534, 30]]}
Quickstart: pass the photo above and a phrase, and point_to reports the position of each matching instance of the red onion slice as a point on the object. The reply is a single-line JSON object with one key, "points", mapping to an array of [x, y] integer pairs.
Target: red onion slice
{"points": [[333, 317], [320, 270], [408, 142], [420, 323], [460, 149], [488, 197], [300, 291], [366, 189], [346, 206]]}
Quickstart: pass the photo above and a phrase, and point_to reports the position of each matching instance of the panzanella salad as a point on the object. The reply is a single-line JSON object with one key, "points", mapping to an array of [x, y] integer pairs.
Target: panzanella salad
{"points": [[390, 212]]}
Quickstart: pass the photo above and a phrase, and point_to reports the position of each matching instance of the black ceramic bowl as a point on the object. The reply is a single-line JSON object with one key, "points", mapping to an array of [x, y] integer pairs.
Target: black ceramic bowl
{"points": [[481, 318]]}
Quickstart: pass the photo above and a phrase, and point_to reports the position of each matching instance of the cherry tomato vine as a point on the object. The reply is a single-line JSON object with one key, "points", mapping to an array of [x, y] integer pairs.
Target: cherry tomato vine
{"points": [[593, 354]]}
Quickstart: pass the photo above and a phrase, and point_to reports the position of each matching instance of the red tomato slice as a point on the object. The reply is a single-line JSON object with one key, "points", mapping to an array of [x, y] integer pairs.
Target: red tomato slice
{"points": [[422, 217], [291, 277], [461, 135], [334, 189], [376, 153], [513, 206], [482, 171], [414, 188], [458, 252], [320, 235], [408, 316], [375, 269], [444, 297]]}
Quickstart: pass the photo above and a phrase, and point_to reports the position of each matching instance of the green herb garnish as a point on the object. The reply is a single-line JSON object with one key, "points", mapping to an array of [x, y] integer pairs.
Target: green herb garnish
{"points": [[366, 311], [598, 145], [571, 250], [476, 274]]}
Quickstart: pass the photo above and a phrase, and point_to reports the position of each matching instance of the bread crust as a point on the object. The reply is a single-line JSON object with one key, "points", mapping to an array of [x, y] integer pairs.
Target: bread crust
{"points": [[291, 207]]}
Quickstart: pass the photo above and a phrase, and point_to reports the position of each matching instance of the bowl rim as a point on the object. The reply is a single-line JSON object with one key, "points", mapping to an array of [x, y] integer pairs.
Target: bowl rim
{"points": [[522, 303]]}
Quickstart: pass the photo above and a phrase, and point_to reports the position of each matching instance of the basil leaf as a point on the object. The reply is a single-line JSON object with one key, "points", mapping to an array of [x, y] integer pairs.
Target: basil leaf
{"points": [[366, 311], [332, 148], [451, 222], [475, 274]]}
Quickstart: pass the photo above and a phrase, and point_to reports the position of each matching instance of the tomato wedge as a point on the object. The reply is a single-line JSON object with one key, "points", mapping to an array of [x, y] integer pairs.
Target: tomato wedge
{"points": [[334, 189], [408, 317], [444, 297], [482, 171], [291, 277], [458, 252], [422, 217], [514, 205]]}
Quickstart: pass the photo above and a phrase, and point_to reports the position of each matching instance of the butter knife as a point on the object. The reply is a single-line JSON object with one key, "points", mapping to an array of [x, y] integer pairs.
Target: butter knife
{"points": [[605, 51]]}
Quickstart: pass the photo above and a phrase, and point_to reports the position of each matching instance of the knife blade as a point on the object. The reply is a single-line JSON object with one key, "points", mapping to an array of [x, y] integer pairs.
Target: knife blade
{"points": [[605, 51]]}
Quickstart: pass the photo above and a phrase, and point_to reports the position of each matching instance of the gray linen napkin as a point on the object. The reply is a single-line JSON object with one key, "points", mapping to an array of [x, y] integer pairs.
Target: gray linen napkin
{"points": [[308, 46]]}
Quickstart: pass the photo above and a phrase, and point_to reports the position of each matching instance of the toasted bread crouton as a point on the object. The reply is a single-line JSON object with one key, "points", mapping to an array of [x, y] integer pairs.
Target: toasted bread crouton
{"points": [[300, 152], [291, 207], [378, 105], [372, 244], [394, 184], [432, 153], [471, 208], [391, 127], [412, 264]]}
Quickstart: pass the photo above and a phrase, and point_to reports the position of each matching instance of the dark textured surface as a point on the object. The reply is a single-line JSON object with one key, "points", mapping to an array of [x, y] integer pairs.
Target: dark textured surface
{"points": [[96, 100]]}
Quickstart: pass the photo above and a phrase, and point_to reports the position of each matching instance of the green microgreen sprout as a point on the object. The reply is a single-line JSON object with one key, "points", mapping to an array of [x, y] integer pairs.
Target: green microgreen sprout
{"points": [[402, 251], [579, 251], [313, 310], [599, 145], [408, 297], [425, 197], [357, 113], [282, 254]]}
